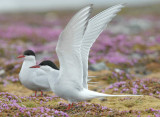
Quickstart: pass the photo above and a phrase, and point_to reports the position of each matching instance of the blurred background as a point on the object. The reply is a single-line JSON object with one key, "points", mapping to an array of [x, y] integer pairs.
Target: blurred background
{"points": [[125, 58], [130, 42], [37, 24], [48, 5]]}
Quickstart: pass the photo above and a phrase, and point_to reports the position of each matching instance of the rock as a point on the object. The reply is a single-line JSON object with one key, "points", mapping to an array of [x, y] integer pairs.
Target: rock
{"points": [[139, 24], [98, 67], [133, 26], [127, 70], [153, 55], [118, 28], [94, 89], [136, 56], [2, 72], [103, 99], [141, 71], [117, 70], [153, 67]]}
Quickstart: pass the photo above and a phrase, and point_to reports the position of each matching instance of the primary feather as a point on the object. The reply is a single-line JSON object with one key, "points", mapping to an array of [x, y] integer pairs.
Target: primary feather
{"points": [[68, 47], [95, 26]]}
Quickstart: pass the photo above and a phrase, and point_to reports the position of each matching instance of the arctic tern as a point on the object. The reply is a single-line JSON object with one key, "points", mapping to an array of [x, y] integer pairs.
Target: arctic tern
{"points": [[73, 49], [33, 79]]}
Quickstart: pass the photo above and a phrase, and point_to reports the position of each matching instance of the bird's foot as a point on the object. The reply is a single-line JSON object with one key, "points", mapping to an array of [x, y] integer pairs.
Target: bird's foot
{"points": [[41, 93], [69, 107], [35, 93]]}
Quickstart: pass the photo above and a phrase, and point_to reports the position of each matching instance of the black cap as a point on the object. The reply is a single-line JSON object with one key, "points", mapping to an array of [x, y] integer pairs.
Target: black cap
{"points": [[29, 52], [49, 63]]}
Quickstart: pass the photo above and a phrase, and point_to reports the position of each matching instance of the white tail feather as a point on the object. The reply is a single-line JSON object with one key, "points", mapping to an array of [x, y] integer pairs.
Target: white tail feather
{"points": [[92, 76], [93, 94]]}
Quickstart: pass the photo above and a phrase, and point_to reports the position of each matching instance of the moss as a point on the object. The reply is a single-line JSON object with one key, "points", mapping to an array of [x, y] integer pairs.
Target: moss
{"points": [[29, 104], [130, 104]]}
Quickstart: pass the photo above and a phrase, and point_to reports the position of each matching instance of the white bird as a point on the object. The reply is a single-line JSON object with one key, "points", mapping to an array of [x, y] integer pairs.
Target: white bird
{"points": [[73, 50], [33, 79]]}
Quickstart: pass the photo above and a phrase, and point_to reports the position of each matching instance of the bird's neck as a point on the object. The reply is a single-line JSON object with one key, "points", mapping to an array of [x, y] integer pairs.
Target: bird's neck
{"points": [[28, 63]]}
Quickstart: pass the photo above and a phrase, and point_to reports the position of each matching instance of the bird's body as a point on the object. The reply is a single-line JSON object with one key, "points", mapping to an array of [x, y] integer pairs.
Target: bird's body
{"points": [[73, 50], [71, 92], [26, 74], [33, 79]]}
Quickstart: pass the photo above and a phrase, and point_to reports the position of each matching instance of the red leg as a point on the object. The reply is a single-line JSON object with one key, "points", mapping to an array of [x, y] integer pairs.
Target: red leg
{"points": [[41, 93], [35, 93], [71, 106], [68, 107]]}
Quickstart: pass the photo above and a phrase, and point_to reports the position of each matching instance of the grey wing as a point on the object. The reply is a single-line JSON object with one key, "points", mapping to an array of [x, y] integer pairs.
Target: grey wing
{"points": [[68, 48], [41, 80], [95, 26]]}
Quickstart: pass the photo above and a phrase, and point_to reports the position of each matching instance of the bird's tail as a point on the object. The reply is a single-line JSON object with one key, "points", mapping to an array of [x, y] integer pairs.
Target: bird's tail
{"points": [[88, 94]]}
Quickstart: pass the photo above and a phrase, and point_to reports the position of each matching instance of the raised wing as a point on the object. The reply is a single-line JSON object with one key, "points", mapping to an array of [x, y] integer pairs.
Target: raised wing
{"points": [[68, 48], [95, 26]]}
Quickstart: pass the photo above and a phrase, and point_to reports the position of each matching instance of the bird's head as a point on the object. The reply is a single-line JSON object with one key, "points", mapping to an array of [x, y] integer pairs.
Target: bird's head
{"points": [[28, 55], [46, 65]]}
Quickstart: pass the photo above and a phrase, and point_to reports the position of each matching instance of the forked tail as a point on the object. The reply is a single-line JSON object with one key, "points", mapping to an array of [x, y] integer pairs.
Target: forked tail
{"points": [[88, 94]]}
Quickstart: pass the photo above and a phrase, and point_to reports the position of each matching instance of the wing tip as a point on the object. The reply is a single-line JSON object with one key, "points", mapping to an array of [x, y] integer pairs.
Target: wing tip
{"points": [[122, 5], [89, 5]]}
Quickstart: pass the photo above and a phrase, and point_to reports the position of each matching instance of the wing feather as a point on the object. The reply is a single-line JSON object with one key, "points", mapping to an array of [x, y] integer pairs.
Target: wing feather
{"points": [[95, 26], [68, 48]]}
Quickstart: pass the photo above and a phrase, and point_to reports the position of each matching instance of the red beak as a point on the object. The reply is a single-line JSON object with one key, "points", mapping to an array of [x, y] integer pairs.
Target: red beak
{"points": [[21, 56], [36, 66]]}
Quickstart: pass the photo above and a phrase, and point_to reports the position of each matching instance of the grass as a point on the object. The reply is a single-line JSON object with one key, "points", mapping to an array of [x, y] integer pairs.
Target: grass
{"points": [[130, 105]]}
